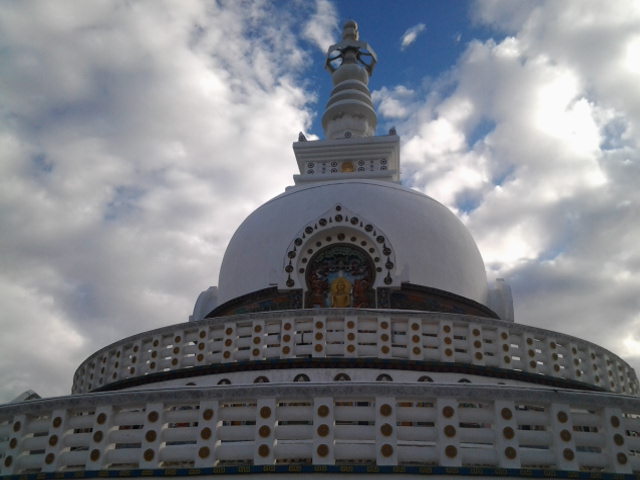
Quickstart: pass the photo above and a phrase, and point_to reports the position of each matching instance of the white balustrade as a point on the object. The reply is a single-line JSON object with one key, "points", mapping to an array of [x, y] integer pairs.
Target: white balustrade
{"points": [[347, 423], [448, 338]]}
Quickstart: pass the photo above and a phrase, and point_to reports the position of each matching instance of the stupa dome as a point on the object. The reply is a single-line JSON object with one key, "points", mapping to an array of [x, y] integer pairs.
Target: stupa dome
{"points": [[412, 238]]}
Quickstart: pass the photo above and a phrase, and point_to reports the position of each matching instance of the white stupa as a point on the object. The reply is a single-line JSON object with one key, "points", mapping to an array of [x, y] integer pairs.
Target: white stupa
{"points": [[352, 332]]}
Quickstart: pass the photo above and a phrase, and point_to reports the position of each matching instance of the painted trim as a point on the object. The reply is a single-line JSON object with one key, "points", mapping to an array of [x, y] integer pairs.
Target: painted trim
{"points": [[324, 469]]}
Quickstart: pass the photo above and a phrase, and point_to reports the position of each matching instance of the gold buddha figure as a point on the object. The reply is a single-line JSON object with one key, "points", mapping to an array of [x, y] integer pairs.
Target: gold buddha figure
{"points": [[347, 167], [340, 293]]}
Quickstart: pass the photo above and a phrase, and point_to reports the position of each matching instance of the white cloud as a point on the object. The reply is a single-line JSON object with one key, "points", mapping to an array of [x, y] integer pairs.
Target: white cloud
{"points": [[321, 28], [393, 103], [135, 138], [48, 341], [534, 143], [411, 34]]}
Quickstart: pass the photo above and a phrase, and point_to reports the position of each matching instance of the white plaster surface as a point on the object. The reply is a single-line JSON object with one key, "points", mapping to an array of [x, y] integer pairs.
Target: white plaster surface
{"points": [[432, 246], [207, 301]]}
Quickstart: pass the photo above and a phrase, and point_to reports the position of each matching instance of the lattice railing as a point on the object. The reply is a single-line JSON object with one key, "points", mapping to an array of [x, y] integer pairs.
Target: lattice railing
{"points": [[447, 338], [355, 424]]}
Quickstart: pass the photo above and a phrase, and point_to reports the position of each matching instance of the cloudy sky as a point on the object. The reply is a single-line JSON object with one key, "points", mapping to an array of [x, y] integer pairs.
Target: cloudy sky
{"points": [[136, 135]]}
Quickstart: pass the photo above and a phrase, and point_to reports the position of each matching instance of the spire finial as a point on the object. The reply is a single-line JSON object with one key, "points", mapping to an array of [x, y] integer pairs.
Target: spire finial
{"points": [[349, 111], [350, 31], [350, 149], [351, 50]]}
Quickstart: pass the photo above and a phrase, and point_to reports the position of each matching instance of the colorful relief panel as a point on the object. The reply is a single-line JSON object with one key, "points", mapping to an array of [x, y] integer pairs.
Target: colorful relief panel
{"points": [[417, 297], [340, 276], [269, 299]]}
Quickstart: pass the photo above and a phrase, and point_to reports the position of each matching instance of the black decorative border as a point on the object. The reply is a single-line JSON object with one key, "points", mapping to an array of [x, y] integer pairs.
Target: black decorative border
{"points": [[332, 218], [321, 469], [347, 362]]}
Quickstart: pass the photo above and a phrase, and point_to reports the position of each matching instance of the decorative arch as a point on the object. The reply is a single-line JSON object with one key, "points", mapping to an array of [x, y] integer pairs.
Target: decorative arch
{"points": [[339, 235], [340, 275]]}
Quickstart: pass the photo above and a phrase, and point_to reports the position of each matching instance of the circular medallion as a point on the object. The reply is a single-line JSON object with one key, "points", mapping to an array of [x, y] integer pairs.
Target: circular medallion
{"points": [[323, 410], [510, 452], [385, 409], [207, 414], [265, 412], [149, 454], [204, 452], [386, 450]]}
